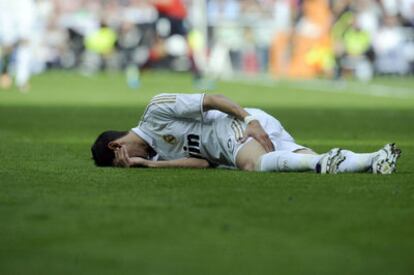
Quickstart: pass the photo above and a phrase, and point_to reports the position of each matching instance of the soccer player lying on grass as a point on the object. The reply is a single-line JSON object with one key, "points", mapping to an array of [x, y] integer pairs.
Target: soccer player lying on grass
{"points": [[200, 131]]}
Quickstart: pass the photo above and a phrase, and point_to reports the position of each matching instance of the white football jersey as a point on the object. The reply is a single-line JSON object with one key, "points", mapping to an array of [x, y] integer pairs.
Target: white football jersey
{"points": [[176, 127]]}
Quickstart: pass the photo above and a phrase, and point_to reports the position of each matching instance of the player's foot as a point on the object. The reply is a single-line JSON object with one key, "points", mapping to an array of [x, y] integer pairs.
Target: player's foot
{"points": [[386, 160], [330, 162], [5, 82], [24, 89]]}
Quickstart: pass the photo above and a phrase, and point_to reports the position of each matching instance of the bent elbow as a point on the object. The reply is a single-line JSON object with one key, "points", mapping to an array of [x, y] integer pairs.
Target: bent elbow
{"points": [[210, 101]]}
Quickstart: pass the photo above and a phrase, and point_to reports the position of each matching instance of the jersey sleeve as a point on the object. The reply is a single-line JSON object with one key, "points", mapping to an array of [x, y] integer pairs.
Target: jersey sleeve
{"points": [[176, 106]]}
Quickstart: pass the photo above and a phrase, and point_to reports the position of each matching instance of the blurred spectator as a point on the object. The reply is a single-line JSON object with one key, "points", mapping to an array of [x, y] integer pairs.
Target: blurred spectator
{"points": [[367, 16], [389, 44], [100, 46], [307, 38], [311, 41], [223, 10], [172, 29], [280, 54], [17, 29], [407, 12], [175, 13]]}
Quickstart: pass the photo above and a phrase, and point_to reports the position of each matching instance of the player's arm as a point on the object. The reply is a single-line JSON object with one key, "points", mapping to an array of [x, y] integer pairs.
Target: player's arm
{"points": [[253, 129], [122, 159], [177, 163]]}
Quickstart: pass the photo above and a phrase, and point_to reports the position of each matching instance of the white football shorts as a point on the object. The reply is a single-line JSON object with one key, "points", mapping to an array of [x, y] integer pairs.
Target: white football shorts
{"points": [[281, 139]]}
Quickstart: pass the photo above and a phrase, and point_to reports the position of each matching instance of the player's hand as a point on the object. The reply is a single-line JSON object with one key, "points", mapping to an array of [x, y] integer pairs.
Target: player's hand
{"points": [[255, 130], [122, 159]]}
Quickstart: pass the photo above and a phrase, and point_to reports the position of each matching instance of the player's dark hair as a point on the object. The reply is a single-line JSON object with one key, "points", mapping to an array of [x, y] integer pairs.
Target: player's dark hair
{"points": [[101, 153]]}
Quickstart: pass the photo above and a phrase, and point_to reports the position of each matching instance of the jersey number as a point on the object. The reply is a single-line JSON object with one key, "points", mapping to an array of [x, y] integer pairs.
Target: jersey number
{"points": [[193, 143]]}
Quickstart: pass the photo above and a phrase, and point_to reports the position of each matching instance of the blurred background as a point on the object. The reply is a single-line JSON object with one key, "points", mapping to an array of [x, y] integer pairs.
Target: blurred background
{"points": [[212, 39]]}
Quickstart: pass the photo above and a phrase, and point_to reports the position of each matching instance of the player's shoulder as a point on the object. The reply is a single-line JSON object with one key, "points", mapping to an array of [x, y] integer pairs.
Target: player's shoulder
{"points": [[164, 97], [181, 98], [159, 106]]}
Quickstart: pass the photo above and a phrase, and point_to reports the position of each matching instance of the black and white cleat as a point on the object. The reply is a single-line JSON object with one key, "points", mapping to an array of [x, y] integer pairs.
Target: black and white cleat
{"points": [[330, 162], [385, 161]]}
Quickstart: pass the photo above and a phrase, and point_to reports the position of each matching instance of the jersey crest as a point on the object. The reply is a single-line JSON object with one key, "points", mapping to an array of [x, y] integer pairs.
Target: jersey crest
{"points": [[169, 139]]}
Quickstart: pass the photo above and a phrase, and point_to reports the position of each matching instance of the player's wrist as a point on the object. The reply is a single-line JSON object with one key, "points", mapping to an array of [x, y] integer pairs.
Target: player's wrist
{"points": [[139, 162], [250, 118]]}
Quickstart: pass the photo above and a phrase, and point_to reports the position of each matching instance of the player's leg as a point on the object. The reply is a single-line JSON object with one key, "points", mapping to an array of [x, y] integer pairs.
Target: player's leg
{"points": [[24, 27], [6, 52], [7, 42], [383, 161], [338, 160], [333, 162], [356, 162], [23, 65], [288, 156], [249, 155], [5, 79], [285, 161], [252, 157]]}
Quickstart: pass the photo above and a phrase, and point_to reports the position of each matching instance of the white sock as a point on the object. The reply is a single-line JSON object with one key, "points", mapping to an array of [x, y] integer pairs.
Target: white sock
{"points": [[23, 65], [354, 162], [285, 161]]}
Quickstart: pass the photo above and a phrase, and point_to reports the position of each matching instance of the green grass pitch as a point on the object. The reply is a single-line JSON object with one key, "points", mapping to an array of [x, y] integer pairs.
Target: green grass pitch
{"points": [[61, 215]]}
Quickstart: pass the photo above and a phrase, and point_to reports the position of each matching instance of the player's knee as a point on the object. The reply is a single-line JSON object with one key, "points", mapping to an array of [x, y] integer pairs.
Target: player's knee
{"points": [[306, 151], [248, 166]]}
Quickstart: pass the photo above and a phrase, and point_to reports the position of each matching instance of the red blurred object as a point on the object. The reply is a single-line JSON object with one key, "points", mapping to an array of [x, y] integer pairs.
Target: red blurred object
{"points": [[172, 8], [250, 63]]}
